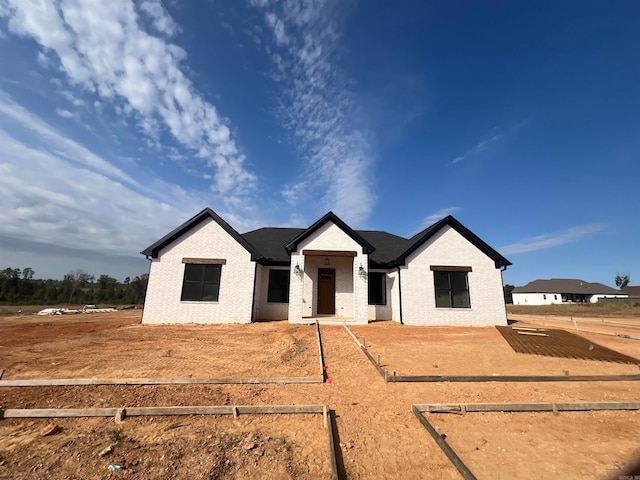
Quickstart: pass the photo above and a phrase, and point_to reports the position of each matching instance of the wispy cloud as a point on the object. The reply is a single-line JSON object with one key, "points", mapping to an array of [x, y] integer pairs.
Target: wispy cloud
{"points": [[54, 141], [549, 240], [64, 113], [434, 217], [60, 197], [317, 106], [479, 147], [104, 49]]}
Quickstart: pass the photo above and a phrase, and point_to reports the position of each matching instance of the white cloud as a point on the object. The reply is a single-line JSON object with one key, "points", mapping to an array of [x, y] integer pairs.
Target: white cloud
{"points": [[317, 106], [549, 240], [434, 217], [64, 113], [162, 21], [104, 49], [479, 147], [54, 141]]}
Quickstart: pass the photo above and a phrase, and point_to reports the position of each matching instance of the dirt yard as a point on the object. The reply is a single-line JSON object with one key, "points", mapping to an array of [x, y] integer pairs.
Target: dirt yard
{"points": [[379, 437], [477, 351]]}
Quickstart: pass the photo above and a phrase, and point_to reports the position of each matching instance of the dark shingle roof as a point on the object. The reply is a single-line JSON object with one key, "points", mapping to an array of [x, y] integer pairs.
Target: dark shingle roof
{"points": [[566, 285], [632, 291], [273, 245], [270, 242]]}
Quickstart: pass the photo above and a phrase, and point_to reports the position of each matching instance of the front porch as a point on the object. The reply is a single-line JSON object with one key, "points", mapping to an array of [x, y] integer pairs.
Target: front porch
{"points": [[328, 286]]}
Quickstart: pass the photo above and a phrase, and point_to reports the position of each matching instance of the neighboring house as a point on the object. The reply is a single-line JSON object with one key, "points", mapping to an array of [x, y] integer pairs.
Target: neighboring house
{"points": [[562, 290], [206, 272], [632, 291]]}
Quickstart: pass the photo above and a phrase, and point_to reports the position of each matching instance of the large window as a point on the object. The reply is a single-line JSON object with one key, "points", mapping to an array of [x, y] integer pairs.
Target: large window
{"points": [[377, 288], [201, 283], [278, 286], [452, 289]]}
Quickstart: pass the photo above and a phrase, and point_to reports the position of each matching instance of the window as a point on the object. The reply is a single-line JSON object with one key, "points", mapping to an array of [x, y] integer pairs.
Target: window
{"points": [[452, 289], [278, 286], [377, 288], [201, 283]]}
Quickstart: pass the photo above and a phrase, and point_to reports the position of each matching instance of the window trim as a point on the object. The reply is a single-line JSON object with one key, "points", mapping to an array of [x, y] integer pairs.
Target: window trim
{"points": [[201, 282], [288, 272], [384, 288], [450, 290]]}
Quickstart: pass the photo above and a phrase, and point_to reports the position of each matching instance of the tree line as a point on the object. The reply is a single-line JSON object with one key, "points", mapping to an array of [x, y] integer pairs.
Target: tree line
{"points": [[18, 287]]}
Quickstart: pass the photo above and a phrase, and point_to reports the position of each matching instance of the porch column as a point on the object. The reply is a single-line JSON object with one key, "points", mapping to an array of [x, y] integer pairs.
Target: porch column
{"points": [[296, 287], [361, 288]]}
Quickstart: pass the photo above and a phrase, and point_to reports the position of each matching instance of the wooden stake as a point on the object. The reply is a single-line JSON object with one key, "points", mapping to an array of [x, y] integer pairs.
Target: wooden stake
{"points": [[120, 415]]}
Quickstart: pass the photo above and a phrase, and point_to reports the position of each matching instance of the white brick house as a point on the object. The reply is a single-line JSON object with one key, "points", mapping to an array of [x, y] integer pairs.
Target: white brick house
{"points": [[206, 272]]}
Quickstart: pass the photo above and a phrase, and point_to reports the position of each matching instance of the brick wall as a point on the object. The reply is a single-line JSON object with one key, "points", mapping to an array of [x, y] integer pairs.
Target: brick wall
{"points": [[448, 247], [207, 240]]}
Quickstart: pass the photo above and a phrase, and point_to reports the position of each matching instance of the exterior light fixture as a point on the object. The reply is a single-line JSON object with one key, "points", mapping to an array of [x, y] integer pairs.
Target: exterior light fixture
{"points": [[326, 260], [361, 271], [297, 269]]}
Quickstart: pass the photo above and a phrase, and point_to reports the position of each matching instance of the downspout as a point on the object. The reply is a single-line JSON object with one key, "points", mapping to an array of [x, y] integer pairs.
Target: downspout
{"points": [[400, 295], [144, 302], [253, 299], [506, 314]]}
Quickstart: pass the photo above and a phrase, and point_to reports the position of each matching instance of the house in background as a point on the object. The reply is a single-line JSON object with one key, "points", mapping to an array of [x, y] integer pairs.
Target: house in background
{"points": [[204, 271], [562, 290], [632, 291]]}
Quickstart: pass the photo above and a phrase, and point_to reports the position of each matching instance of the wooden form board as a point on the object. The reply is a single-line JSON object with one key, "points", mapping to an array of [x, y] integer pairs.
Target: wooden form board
{"points": [[320, 353], [463, 408], [525, 407], [51, 382], [514, 378]]}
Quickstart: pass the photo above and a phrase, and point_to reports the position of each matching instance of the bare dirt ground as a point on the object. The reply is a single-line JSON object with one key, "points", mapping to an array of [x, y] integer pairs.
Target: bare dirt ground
{"points": [[477, 351], [161, 448], [501, 445], [379, 436]]}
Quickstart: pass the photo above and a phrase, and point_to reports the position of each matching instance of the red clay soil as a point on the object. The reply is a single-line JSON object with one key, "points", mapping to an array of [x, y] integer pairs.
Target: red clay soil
{"points": [[379, 437]]}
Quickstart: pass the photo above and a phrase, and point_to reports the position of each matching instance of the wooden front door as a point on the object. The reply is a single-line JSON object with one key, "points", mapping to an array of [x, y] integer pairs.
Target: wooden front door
{"points": [[326, 291]]}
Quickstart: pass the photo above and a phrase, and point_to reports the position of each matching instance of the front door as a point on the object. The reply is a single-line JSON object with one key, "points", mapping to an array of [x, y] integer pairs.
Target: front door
{"points": [[326, 291]]}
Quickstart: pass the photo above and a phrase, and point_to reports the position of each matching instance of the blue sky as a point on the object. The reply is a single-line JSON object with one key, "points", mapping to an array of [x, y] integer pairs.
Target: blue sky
{"points": [[119, 120]]}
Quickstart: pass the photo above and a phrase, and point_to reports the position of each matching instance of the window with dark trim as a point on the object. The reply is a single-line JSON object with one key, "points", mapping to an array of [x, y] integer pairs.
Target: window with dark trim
{"points": [[278, 286], [452, 289], [377, 288], [201, 282]]}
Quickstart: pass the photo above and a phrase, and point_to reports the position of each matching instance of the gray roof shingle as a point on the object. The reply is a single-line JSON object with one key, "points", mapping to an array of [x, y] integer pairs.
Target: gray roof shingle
{"points": [[566, 285]]}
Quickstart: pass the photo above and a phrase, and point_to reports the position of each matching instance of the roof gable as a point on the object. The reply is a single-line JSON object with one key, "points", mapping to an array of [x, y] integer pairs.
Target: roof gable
{"points": [[153, 250], [420, 238], [330, 217]]}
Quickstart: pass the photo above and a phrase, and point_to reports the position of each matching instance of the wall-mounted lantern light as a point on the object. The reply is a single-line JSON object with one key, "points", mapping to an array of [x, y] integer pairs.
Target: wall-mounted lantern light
{"points": [[297, 270], [361, 271], [326, 261]]}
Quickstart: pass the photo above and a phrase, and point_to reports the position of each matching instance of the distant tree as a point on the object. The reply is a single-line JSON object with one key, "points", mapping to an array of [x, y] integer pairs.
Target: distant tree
{"points": [[28, 273], [622, 280], [507, 289], [77, 279]]}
